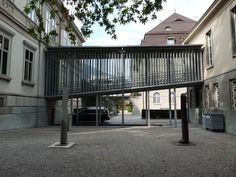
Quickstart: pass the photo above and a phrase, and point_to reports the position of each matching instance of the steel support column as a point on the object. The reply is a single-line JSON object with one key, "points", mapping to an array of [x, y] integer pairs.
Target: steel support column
{"points": [[97, 97], [148, 110], [123, 86], [175, 111], [100, 110], [123, 107], [170, 115], [77, 110]]}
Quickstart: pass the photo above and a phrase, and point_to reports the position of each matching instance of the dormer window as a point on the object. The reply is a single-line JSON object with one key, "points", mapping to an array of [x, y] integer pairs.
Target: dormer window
{"points": [[168, 28], [178, 20], [170, 41]]}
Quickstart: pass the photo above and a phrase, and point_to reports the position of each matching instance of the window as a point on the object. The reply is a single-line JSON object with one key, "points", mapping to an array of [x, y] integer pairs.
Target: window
{"points": [[168, 28], [216, 95], [32, 14], [170, 41], [66, 39], [51, 23], [207, 92], [178, 20], [233, 94], [172, 97], [156, 98], [4, 54], [209, 49], [28, 64], [233, 15], [2, 101]]}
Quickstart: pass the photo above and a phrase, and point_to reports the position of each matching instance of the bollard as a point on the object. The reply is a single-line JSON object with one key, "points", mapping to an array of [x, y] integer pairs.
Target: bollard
{"points": [[64, 118], [185, 133]]}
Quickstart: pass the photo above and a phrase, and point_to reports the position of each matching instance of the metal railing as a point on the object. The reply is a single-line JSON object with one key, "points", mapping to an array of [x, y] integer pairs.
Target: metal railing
{"points": [[105, 70]]}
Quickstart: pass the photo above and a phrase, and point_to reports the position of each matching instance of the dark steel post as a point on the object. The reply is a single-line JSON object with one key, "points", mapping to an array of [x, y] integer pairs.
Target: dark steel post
{"points": [[170, 114], [123, 86], [97, 105], [64, 118], [185, 133]]}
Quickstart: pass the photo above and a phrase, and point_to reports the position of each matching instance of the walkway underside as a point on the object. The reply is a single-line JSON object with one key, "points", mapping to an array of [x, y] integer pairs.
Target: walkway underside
{"points": [[110, 70]]}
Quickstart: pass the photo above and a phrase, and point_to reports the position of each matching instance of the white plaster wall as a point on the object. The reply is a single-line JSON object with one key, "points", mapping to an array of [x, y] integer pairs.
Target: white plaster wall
{"points": [[20, 4], [220, 26], [164, 100], [16, 63]]}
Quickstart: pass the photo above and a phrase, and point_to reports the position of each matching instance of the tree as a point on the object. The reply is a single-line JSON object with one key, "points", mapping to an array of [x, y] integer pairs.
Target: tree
{"points": [[107, 13]]}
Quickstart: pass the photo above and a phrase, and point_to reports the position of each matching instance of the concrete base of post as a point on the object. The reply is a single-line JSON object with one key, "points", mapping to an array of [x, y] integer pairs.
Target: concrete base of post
{"points": [[177, 143], [59, 145]]}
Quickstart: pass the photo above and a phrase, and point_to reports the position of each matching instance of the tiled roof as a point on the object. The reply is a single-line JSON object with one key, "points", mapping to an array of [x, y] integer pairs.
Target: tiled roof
{"points": [[175, 25]]}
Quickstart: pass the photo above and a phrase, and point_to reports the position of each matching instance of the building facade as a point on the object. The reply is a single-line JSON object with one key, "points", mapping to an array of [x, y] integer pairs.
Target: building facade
{"points": [[22, 64], [172, 31], [216, 30]]}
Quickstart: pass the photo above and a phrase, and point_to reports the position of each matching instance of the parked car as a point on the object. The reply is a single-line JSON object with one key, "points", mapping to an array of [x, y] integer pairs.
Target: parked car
{"points": [[89, 114]]}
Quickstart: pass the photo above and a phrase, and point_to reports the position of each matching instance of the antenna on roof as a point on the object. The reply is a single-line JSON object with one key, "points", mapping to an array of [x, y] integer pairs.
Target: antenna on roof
{"points": [[174, 10]]}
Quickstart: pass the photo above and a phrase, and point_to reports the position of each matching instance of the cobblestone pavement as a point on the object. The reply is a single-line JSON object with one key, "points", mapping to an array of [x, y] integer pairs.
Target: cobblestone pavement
{"points": [[117, 152]]}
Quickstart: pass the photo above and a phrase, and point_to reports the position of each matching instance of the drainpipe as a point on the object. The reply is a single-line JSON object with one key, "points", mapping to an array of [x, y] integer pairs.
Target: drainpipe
{"points": [[39, 59]]}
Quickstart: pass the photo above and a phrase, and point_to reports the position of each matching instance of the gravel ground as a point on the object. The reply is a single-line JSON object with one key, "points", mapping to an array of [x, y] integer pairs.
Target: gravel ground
{"points": [[117, 152]]}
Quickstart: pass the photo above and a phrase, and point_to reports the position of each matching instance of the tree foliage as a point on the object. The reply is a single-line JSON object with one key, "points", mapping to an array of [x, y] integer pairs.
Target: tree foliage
{"points": [[106, 13]]}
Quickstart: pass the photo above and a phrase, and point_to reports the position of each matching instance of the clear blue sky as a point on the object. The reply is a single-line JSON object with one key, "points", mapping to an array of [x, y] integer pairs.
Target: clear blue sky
{"points": [[132, 34]]}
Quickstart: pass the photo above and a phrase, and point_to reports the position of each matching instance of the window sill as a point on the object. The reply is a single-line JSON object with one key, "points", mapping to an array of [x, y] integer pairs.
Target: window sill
{"points": [[28, 83], [234, 55], [210, 67], [5, 77]]}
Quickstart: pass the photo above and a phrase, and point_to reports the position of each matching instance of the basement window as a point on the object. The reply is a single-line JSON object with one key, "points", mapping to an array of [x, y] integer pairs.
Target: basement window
{"points": [[233, 94], [2, 100], [207, 96]]}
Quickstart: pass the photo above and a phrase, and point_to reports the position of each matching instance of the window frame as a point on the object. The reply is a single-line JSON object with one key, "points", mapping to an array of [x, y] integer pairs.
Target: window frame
{"points": [[31, 49], [232, 94], [51, 23], [32, 14], [65, 39], [233, 30], [216, 95], [173, 40], [207, 96], [8, 54], [156, 98], [209, 49]]}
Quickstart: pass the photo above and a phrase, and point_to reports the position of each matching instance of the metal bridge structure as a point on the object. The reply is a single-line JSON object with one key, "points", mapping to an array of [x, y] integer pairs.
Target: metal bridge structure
{"points": [[112, 70]]}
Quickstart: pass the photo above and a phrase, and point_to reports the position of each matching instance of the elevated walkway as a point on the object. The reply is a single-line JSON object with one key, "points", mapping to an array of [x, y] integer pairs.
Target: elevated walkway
{"points": [[112, 70]]}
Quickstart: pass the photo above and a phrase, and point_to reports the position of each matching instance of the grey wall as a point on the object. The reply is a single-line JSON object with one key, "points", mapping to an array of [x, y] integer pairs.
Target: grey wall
{"points": [[23, 112]]}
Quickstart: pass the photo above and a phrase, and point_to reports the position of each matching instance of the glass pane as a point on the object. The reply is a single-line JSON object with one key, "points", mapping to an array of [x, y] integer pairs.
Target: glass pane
{"points": [[31, 56], [6, 44], [30, 71], [4, 63], [1, 41], [26, 70], [0, 59], [26, 54]]}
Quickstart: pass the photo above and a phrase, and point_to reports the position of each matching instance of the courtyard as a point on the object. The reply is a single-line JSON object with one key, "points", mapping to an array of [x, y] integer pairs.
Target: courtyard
{"points": [[113, 151]]}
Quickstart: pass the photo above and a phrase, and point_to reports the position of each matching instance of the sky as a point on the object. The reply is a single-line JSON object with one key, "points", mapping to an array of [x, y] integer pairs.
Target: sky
{"points": [[132, 34]]}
